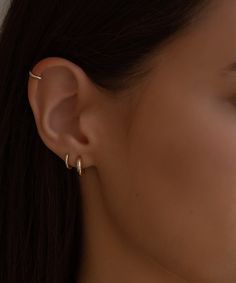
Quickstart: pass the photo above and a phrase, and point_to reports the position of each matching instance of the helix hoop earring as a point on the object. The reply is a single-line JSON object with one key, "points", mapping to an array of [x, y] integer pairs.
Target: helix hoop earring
{"points": [[35, 76], [67, 162], [80, 170]]}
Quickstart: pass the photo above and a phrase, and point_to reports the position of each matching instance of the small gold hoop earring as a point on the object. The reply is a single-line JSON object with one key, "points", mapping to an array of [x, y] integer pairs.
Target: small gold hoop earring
{"points": [[34, 76], [67, 162], [80, 170]]}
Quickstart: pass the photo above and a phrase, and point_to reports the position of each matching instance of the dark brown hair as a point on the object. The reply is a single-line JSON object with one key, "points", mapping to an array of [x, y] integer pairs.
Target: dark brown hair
{"points": [[40, 202]]}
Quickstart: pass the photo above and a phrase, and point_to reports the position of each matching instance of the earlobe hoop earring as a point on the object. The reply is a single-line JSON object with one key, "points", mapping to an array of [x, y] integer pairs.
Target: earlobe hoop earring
{"points": [[67, 162], [34, 76], [80, 170]]}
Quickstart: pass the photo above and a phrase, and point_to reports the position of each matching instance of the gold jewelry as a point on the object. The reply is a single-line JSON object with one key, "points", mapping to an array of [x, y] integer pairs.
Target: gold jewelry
{"points": [[80, 170], [67, 162], [34, 76]]}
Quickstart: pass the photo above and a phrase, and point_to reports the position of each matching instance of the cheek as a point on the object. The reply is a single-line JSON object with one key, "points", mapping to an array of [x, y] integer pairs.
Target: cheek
{"points": [[183, 167]]}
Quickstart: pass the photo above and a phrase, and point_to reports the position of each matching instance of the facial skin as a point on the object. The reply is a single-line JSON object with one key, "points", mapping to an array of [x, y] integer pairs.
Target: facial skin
{"points": [[159, 192]]}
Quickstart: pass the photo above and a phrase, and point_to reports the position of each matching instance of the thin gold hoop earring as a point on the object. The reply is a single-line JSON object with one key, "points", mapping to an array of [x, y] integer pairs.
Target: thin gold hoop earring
{"points": [[67, 162], [80, 170], [34, 76]]}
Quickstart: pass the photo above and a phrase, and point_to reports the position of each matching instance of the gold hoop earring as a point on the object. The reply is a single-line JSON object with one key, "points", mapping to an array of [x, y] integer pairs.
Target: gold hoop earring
{"points": [[67, 162], [34, 76], [80, 170]]}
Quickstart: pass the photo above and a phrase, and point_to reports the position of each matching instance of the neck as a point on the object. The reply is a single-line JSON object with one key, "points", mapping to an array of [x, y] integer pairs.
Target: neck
{"points": [[107, 255]]}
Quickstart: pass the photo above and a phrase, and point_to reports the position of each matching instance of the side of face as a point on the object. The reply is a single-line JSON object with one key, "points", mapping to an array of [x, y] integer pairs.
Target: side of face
{"points": [[164, 157], [174, 174]]}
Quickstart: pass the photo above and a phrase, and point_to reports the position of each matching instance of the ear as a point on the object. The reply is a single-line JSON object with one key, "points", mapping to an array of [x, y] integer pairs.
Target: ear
{"points": [[65, 104]]}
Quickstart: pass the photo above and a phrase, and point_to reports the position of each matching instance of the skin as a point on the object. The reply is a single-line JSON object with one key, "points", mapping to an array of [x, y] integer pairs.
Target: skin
{"points": [[159, 192]]}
